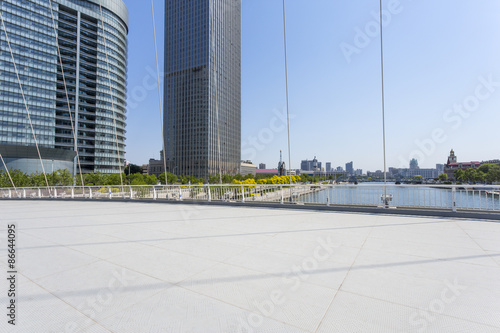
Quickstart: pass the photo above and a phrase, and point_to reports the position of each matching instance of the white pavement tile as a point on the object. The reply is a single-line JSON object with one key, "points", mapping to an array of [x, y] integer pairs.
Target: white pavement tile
{"points": [[494, 256], [39, 311], [36, 263], [206, 248], [286, 298], [101, 289], [468, 255], [180, 310], [488, 277], [163, 264], [355, 313]]}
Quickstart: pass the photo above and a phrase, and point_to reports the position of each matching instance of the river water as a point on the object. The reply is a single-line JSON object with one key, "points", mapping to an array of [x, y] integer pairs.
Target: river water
{"points": [[404, 196]]}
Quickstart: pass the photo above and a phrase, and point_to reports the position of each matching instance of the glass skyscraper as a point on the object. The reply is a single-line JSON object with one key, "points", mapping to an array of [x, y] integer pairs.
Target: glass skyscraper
{"points": [[202, 92], [94, 65]]}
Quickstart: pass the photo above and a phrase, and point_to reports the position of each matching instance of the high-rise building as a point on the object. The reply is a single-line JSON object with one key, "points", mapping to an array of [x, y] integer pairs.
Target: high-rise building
{"points": [[262, 166], [202, 87], [91, 37], [349, 168], [328, 166], [414, 164]]}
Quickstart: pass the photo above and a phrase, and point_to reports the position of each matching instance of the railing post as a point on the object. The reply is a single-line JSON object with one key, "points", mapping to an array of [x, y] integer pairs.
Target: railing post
{"points": [[131, 193], [154, 193], [90, 192], [39, 193], [10, 194], [327, 196], [454, 199], [55, 192], [209, 194], [180, 193], [281, 191], [110, 193], [242, 193]]}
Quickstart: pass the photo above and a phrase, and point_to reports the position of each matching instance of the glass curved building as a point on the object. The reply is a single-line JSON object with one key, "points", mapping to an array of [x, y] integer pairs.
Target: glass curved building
{"points": [[91, 36]]}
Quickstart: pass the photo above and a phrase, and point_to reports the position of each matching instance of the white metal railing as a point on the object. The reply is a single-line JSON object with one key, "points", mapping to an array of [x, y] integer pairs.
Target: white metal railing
{"points": [[453, 197]]}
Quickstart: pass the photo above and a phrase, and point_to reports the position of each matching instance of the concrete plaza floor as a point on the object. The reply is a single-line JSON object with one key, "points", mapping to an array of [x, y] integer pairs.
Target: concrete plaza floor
{"points": [[141, 267]]}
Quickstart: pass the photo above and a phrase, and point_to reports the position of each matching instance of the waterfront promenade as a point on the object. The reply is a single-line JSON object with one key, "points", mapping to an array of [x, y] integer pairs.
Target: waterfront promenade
{"points": [[110, 266]]}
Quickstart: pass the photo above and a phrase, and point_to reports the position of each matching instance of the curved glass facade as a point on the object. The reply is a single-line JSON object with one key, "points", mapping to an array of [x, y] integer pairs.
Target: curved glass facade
{"points": [[94, 62]]}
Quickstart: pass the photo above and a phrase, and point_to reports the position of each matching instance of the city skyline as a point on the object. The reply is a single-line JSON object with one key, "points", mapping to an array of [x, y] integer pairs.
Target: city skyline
{"points": [[432, 77]]}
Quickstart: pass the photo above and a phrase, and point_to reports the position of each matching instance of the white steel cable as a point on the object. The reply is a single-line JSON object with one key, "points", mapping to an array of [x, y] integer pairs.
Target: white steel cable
{"points": [[287, 104], [8, 173], [67, 96], [159, 94], [111, 93], [24, 99], [383, 104]]}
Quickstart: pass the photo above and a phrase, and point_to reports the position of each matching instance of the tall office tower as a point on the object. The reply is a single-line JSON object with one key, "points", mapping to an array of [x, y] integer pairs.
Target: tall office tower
{"points": [[414, 164], [349, 168], [94, 67], [202, 107]]}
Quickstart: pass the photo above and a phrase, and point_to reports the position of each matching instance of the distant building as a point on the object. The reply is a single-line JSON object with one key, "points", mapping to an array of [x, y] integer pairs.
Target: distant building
{"points": [[376, 174], [452, 165], [358, 172], [393, 171], [339, 169], [410, 173], [440, 168], [328, 166], [267, 172], [425, 173], [308, 165], [247, 167], [349, 168], [156, 167], [262, 165], [413, 164]]}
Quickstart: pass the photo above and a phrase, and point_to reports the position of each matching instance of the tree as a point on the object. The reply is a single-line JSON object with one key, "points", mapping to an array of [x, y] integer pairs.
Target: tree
{"points": [[4, 179], [20, 178], [151, 179], [171, 178], [485, 168], [443, 177], [132, 168], [459, 174], [226, 179], [493, 174]]}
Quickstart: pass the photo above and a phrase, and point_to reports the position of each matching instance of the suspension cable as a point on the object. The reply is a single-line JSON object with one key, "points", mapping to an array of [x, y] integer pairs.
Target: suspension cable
{"points": [[159, 95], [383, 104], [287, 104], [8, 173], [212, 10], [67, 96], [24, 99], [111, 93]]}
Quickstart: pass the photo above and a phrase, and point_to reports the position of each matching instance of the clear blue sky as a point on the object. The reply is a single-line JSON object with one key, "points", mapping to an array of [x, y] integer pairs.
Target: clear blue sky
{"points": [[442, 65]]}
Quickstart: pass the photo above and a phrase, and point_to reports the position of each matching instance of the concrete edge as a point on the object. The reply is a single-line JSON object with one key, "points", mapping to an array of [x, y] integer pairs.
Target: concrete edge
{"points": [[345, 209]]}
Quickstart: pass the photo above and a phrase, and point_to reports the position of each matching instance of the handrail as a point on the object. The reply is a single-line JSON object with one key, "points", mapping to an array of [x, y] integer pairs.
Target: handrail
{"points": [[443, 197]]}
